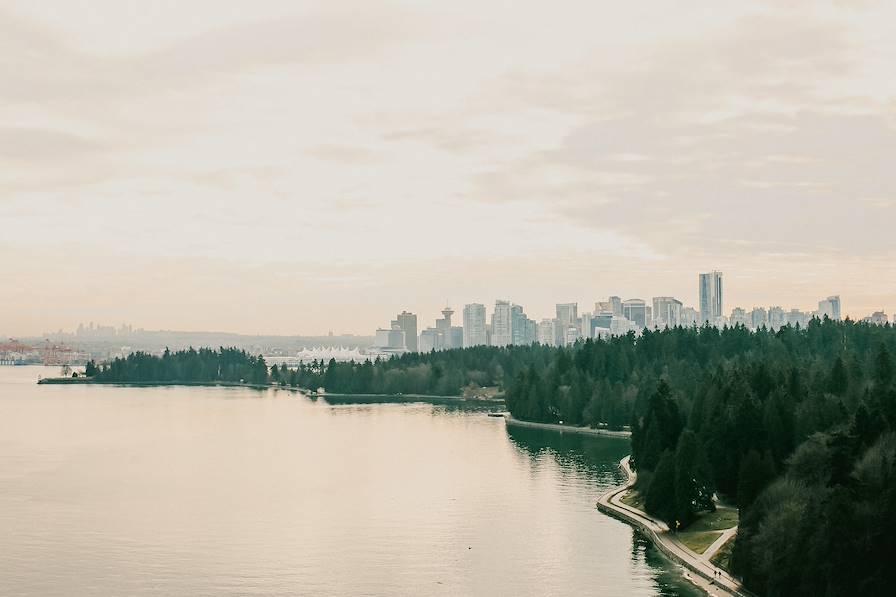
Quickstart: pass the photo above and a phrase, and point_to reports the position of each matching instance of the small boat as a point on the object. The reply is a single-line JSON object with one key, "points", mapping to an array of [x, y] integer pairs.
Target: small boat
{"points": [[496, 415]]}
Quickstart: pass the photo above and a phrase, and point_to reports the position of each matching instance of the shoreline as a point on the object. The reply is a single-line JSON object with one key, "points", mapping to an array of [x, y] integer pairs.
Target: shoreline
{"points": [[62, 381], [566, 428], [709, 578], [260, 386]]}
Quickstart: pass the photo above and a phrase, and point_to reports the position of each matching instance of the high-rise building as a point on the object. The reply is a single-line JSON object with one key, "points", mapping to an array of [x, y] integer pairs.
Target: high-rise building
{"points": [[776, 318], [616, 305], [666, 312], [829, 307], [502, 330], [635, 310], [795, 318], [431, 339], [474, 325], [739, 317], [585, 326], [519, 326], [567, 314], [689, 317], [758, 318], [546, 333], [390, 339], [712, 303], [407, 322]]}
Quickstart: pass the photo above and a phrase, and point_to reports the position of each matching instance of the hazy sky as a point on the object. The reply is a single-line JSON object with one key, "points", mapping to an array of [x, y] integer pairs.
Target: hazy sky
{"points": [[295, 167]]}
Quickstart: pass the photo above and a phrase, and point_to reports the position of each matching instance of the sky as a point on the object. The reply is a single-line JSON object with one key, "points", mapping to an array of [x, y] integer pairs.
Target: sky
{"points": [[299, 167]]}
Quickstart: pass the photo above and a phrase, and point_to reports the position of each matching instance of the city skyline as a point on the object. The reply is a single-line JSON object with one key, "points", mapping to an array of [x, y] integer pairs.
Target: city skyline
{"points": [[286, 162]]}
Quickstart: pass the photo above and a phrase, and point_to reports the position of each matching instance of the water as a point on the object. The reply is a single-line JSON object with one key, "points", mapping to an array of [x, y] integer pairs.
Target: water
{"points": [[229, 491]]}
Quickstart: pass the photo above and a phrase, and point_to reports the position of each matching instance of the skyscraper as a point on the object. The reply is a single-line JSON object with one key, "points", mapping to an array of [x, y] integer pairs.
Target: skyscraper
{"points": [[519, 326], [616, 305], [635, 310], [830, 307], [407, 322], [758, 318], [666, 311], [502, 331], [711, 301], [474, 325], [546, 333], [567, 316]]}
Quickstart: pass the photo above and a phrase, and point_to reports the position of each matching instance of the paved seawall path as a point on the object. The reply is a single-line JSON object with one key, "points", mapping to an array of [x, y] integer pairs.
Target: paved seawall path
{"points": [[565, 428], [700, 571]]}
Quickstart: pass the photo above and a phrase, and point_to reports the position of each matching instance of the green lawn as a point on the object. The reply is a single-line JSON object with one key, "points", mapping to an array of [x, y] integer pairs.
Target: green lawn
{"points": [[634, 499], [698, 542], [721, 519]]}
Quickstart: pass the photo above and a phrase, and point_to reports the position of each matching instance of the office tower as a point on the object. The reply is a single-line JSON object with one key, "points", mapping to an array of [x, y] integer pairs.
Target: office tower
{"points": [[635, 310], [829, 307], [585, 330], [758, 318], [712, 302], [603, 307], [795, 318], [620, 326], [776, 319], [474, 325], [572, 334], [392, 338], [739, 317], [430, 339], [546, 333], [616, 305], [520, 328], [407, 322], [601, 323], [502, 331], [531, 331], [567, 314], [666, 312], [455, 337], [689, 317]]}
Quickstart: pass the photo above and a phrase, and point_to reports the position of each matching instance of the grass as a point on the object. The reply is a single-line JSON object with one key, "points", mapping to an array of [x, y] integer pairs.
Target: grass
{"points": [[698, 542], [634, 499], [722, 559], [721, 519]]}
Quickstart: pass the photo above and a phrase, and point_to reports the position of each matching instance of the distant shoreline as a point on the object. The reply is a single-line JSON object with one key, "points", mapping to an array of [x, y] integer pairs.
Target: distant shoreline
{"points": [[90, 381], [238, 384], [567, 428]]}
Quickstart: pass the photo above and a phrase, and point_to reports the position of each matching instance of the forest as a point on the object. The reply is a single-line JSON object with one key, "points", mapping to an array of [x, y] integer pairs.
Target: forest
{"points": [[796, 427]]}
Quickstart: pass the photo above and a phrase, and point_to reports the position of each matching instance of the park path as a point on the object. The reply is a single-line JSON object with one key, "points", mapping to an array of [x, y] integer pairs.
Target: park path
{"points": [[718, 543], [711, 579]]}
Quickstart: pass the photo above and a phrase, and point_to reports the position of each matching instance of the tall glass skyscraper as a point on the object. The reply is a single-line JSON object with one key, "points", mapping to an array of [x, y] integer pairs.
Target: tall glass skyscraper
{"points": [[474, 325], [711, 302]]}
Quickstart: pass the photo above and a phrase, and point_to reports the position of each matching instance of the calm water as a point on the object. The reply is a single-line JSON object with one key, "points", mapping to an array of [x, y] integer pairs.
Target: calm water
{"points": [[224, 491]]}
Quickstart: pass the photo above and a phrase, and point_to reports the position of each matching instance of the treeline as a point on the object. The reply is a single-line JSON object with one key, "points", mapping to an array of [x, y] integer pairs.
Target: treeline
{"points": [[796, 427], [203, 365], [444, 373]]}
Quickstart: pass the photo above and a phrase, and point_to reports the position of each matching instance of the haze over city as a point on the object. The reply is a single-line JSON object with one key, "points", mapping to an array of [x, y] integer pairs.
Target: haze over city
{"points": [[308, 167]]}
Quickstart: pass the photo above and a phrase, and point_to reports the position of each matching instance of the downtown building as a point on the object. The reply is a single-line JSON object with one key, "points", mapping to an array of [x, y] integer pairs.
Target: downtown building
{"points": [[712, 302], [475, 327], [667, 312]]}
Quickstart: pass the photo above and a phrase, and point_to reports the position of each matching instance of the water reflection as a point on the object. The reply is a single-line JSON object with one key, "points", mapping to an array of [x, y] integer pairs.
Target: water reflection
{"points": [[596, 459]]}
